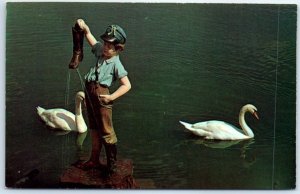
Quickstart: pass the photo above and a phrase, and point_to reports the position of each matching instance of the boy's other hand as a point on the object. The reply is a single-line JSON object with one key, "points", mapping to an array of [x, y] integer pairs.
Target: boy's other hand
{"points": [[106, 98]]}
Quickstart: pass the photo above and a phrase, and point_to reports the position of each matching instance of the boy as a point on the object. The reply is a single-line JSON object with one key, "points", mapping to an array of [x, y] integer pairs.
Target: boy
{"points": [[101, 76]]}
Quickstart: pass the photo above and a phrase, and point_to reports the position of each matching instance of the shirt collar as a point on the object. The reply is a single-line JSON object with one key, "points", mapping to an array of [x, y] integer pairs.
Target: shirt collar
{"points": [[112, 59]]}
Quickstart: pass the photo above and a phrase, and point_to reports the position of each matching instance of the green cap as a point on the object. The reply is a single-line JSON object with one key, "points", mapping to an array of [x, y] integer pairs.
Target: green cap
{"points": [[114, 34]]}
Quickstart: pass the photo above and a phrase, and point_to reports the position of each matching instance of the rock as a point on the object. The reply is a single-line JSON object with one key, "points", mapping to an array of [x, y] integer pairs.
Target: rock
{"points": [[74, 177], [146, 183]]}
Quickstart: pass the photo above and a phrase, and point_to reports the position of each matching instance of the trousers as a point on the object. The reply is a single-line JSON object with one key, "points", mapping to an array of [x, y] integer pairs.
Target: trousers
{"points": [[100, 112]]}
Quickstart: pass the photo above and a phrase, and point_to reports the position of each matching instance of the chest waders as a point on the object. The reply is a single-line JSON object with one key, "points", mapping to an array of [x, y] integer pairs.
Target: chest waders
{"points": [[110, 148]]}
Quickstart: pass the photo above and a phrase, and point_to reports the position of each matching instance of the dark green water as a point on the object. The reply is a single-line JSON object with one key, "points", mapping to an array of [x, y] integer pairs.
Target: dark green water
{"points": [[190, 62]]}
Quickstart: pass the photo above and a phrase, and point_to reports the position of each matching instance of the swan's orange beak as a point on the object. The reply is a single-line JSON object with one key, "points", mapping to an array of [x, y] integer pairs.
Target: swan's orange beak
{"points": [[255, 115]]}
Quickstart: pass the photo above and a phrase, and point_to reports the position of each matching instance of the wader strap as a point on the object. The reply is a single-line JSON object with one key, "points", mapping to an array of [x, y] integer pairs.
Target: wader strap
{"points": [[96, 72]]}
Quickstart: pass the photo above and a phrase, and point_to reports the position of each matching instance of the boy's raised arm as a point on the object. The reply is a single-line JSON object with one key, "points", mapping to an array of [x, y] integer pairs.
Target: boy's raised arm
{"points": [[89, 36]]}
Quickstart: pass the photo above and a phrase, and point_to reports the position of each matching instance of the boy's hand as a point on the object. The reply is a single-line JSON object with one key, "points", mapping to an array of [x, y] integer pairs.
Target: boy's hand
{"points": [[82, 24], [89, 36], [106, 98]]}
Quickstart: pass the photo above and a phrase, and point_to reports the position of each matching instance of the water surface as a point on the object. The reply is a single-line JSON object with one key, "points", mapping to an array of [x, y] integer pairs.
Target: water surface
{"points": [[190, 62]]}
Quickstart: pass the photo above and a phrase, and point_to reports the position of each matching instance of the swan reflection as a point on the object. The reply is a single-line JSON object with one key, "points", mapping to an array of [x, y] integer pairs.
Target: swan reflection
{"points": [[247, 158]]}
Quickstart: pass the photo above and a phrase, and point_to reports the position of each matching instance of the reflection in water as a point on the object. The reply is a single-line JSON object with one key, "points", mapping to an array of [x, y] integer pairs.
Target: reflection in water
{"points": [[60, 132], [81, 153], [27, 180], [78, 144], [217, 143], [224, 144], [80, 139], [247, 159]]}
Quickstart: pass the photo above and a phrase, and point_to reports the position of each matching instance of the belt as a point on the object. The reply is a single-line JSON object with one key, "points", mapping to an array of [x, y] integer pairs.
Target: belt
{"points": [[95, 83]]}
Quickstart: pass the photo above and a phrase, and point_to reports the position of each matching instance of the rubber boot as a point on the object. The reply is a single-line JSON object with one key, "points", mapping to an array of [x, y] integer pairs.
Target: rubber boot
{"points": [[96, 145], [93, 161], [78, 36], [111, 155]]}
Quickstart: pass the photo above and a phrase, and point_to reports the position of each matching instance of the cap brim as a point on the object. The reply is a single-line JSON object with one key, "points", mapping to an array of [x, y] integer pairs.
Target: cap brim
{"points": [[108, 39]]}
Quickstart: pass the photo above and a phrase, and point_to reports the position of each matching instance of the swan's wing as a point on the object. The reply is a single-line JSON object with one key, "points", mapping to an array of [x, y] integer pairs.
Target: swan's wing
{"points": [[50, 113], [50, 124], [200, 125], [200, 132], [197, 131], [65, 121], [60, 119], [219, 130]]}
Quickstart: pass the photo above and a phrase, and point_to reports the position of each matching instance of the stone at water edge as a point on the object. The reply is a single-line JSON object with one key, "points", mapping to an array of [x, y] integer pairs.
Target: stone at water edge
{"points": [[95, 178]]}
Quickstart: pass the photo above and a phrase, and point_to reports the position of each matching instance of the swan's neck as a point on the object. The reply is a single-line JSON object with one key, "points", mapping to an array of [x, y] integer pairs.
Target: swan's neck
{"points": [[79, 120], [247, 130], [78, 110]]}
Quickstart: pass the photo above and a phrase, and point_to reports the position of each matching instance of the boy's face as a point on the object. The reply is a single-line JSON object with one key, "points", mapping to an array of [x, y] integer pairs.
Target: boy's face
{"points": [[109, 50]]}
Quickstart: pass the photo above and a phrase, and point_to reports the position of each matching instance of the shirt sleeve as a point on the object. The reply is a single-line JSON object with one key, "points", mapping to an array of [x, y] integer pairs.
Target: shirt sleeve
{"points": [[97, 49], [120, 70]]}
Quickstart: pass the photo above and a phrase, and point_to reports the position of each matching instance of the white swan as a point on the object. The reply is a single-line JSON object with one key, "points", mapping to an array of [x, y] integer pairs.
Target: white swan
{"points": [[59, 118], [223, 131]]}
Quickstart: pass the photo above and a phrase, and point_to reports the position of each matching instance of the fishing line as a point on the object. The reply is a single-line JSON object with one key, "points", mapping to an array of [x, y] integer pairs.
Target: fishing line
{"points": [[65, 145], [67, 93], [81, 80], [275, 108], [67, 137]]}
